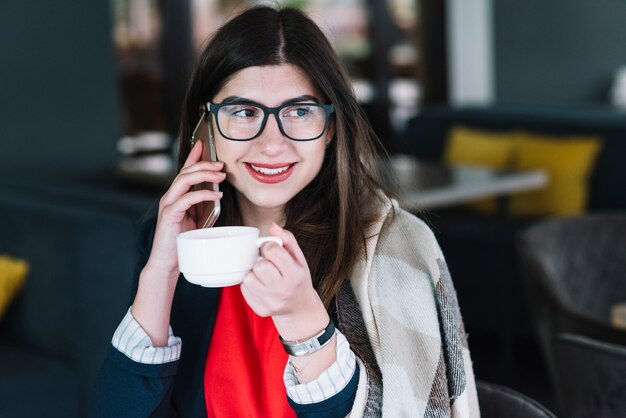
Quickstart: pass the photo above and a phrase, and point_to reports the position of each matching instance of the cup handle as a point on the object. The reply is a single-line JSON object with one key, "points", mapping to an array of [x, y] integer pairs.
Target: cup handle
{"points": [[262, 240]]}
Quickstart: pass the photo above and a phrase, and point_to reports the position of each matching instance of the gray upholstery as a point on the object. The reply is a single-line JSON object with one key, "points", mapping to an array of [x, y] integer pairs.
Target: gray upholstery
{"points": [[501, 402], [35, 384], [590, 377], [53, 338], [575, 270]]}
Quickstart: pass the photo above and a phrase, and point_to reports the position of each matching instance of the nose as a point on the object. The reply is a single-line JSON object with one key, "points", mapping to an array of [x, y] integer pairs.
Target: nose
{"points": [[272, 141]]}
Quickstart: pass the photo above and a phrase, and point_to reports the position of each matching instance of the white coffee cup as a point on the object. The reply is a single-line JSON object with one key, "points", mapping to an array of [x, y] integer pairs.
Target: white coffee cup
{"points": [[221, 256]]}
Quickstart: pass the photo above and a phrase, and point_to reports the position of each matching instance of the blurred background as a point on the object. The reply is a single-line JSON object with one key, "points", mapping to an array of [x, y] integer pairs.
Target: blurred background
{"points": [[90, 103], [77, 79]]}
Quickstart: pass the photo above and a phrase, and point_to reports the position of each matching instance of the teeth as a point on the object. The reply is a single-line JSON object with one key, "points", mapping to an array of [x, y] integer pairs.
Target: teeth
{"points": [[269, 171]]}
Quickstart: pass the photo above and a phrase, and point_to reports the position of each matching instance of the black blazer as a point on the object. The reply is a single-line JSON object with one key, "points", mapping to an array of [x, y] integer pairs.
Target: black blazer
{"points": [[125, 388]]}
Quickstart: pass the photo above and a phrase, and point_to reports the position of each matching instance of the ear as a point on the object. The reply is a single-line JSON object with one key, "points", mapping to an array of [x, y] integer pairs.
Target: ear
{"points": [[330, 131]]}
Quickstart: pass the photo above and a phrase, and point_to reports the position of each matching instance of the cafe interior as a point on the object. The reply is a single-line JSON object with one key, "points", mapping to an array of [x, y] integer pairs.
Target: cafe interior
{"points": [[504, 129]]}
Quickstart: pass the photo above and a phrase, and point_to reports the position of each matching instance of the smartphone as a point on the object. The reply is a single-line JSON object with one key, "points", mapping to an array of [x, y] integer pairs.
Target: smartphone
{"points": [[204, 132]]}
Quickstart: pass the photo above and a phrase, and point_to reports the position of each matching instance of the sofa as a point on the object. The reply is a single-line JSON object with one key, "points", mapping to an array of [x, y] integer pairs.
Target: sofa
{"points": [[80, 248], [482, 249], [425, 137]]}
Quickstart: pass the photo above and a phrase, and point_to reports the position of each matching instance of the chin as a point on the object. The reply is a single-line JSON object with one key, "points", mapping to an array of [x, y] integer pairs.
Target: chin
{"points": [[269, 200]]}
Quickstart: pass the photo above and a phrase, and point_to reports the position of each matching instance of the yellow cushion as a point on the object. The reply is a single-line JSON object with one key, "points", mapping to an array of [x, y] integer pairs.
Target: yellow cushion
{"points": [[12, 276], [475, 147], [568, 161]]}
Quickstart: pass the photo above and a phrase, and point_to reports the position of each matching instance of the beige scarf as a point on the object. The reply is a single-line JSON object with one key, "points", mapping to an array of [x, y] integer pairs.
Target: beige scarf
{"points": [[414, 361]]}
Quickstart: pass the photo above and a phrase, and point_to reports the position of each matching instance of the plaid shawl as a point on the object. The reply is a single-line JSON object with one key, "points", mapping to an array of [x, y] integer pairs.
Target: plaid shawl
{"points": [[401, 317]]}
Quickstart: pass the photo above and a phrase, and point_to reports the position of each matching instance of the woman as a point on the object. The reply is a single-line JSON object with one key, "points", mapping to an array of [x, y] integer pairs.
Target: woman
{"points": [[358, 278]]}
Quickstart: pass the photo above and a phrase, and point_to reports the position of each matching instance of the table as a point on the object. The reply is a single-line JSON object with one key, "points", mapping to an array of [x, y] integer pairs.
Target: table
{"points": [[428, 185], [419, 185]]}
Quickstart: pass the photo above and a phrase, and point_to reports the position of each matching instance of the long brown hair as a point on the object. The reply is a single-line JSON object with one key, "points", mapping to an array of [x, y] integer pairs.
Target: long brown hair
{"points": [[330, 216]]}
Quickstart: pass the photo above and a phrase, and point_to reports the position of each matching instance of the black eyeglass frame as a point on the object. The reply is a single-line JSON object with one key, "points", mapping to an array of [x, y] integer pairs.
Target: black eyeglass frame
{"points": [[329, 109]]}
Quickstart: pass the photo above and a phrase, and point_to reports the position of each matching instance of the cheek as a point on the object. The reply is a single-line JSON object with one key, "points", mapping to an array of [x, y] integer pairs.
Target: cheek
{"points": [[316, 154], [229, 151], [221, 150]]}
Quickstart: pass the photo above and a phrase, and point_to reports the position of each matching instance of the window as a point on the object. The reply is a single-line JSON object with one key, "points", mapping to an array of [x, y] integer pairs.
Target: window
{"points": [[376, 40]]}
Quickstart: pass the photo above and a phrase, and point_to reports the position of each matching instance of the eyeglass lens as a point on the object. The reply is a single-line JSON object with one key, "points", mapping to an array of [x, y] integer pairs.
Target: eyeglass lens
{"points": [[245, 121]]}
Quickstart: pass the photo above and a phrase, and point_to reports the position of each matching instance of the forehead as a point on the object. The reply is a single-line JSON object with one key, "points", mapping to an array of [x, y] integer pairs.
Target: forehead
{"points": [[271, 84]]}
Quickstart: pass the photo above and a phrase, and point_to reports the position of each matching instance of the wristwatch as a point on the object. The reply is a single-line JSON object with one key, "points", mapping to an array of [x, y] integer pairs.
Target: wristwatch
{"points": [[310, 346]]}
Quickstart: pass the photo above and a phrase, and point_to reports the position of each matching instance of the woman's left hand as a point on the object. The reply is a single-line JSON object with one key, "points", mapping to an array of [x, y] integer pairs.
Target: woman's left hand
{"points": [[280, 286]]}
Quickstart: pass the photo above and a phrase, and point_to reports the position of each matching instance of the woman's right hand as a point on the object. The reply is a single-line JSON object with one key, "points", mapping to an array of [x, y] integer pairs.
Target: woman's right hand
{"points": [[177, 208]]}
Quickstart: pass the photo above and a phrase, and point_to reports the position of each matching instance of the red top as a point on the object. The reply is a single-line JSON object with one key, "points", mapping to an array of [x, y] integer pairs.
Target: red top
{"points": [[243, 376]]}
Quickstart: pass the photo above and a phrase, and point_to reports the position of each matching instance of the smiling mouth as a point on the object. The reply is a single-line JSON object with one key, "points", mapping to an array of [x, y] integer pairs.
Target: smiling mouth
{"points": [[270, 171]]}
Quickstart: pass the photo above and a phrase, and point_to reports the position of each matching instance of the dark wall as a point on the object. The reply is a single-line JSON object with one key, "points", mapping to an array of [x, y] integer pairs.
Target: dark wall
{"points": [[59, 111], [558, 51]]}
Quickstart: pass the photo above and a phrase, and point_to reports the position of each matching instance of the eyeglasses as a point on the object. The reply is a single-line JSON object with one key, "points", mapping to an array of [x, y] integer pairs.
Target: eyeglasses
{"points": [[244, 121]]}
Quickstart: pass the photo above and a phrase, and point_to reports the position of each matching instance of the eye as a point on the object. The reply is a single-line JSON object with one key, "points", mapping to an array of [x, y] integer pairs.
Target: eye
{"points": [[243, 111], [298, 112]]}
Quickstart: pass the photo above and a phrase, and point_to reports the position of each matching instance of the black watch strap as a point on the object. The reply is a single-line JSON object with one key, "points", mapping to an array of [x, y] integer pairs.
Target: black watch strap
{"points": [[306, 347]]}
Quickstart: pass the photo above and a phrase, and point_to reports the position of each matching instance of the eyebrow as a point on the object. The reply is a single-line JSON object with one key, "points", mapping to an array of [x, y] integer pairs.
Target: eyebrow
{"points": [[239, 99]]}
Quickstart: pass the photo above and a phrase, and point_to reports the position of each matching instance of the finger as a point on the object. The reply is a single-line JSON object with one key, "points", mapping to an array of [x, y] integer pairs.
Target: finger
{"points": [[194, 154], [266, 271], [184, 182], [252, 291], [178, 209], [278, 256], [289, 243], [194, 178], [203, 165], [251, 281]]}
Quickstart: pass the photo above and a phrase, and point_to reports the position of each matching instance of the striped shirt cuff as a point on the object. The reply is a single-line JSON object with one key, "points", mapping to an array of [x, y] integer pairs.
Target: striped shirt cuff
{"points": [[329, 383], [131, 340]]}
